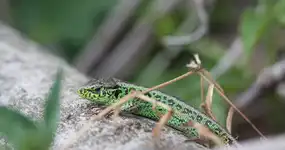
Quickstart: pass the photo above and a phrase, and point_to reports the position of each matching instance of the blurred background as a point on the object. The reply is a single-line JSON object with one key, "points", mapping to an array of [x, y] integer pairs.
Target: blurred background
{"points": [[151, 41]]}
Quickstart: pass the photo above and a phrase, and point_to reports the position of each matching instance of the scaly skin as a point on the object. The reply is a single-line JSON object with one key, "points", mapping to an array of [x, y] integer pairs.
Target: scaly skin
{"points": [[109, 91]]}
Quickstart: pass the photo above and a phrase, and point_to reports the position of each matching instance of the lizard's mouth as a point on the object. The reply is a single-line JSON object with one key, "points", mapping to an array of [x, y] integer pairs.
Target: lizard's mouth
{"points": [[96, 91], [81, 93]]}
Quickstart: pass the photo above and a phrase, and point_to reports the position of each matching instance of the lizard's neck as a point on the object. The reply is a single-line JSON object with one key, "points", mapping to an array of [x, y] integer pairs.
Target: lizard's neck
{"points": [[118, 93], [115, 95]]}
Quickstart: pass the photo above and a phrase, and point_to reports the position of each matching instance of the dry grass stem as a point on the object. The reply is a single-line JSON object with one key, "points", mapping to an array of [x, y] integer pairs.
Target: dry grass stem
{"points": [[206, 74], [229, 119], [221, 93], [202, 90], [163, 120], [168, 82], [204, 132], [209, 97], [208, 103]]}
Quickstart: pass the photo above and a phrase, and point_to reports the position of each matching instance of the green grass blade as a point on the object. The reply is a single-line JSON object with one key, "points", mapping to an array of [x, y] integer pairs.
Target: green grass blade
{"points": [[51, 116], [14, 126]]}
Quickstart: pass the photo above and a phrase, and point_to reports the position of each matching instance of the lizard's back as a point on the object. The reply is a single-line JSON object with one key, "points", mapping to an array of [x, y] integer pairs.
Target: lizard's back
{"points": [[178, 120]]}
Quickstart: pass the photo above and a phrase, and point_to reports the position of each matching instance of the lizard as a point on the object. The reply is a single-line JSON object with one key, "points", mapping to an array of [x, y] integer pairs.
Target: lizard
{"points": [[109, 90]]}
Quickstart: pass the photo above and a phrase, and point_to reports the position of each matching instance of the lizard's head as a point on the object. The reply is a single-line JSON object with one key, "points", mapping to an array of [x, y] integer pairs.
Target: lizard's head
{"points": [[99, 90]]}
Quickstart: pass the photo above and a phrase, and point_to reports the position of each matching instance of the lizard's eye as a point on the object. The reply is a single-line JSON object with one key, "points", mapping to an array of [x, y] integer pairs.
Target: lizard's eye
{"points": [[94, 90], [97, 90]]}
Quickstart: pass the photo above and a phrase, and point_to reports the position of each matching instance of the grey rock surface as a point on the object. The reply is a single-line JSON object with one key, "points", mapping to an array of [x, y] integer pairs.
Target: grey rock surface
{"points": [[27, 72]]}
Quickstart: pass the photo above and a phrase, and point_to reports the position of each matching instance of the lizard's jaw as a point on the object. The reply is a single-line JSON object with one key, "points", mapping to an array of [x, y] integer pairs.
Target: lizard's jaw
{"points": [[81, 93]]}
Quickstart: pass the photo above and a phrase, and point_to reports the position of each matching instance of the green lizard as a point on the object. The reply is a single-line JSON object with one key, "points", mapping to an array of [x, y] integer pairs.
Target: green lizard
{"points": [[109, 91]]}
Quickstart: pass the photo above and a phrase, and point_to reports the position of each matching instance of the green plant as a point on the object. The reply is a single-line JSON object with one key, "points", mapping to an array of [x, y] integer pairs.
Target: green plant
{"points": [[23, 133], [261, 24]]}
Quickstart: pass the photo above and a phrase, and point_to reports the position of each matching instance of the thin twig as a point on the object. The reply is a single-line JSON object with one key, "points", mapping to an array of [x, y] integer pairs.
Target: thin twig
{"points": [[168, 82]]}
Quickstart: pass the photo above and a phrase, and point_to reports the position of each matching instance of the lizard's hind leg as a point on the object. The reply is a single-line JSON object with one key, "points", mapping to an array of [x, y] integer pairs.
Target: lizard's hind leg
{"points": [[163, 120]]}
